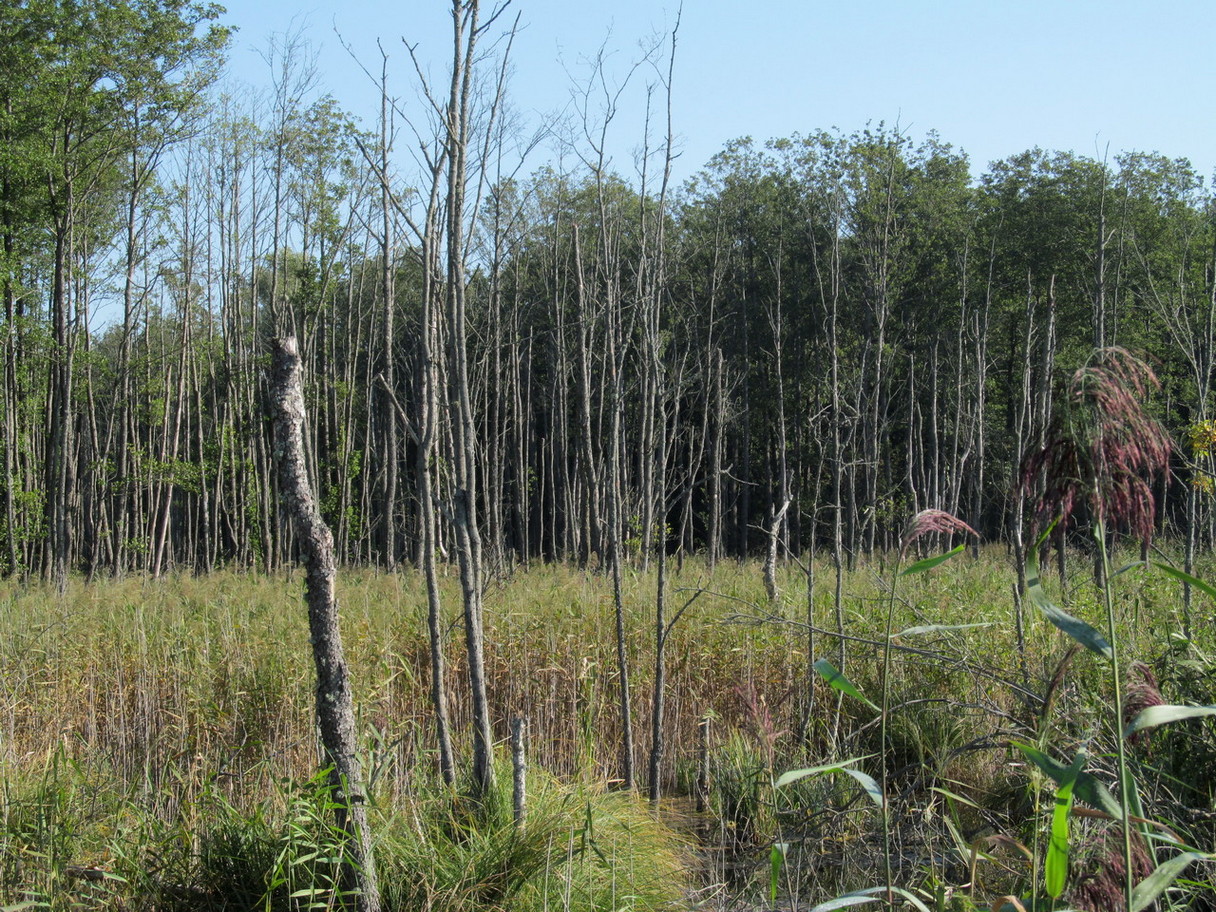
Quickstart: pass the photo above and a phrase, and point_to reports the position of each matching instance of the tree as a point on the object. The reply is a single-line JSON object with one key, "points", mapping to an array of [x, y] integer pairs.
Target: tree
{"points": [[98, 83], [467, 29], [334, 703]]}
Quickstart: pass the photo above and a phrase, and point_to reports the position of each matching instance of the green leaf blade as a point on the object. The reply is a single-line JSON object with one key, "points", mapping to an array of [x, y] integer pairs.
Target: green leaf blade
{"points": [[1182, 577], [1166, 873], [1164, 714], [867, 782], [869, 895], [794, 775], [1056, 869], [929, 563], [1076, 628], [776, 858], [1086, 787], [837, 681], [922, 629]]}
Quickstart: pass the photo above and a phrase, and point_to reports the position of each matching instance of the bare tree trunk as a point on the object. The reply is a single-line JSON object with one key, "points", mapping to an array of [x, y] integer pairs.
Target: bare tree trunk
{"points": [[778, 528], [981, 401], [59, 477], [11, 354], [428, 404], [830, 292], [335, 708], [591, 516], [465, 31], [659, 459], [388, 527], [615, 521], [770, 558], [714, 533]]}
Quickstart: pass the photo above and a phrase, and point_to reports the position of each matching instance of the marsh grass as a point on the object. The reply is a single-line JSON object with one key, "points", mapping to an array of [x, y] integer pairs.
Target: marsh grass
{"points": [[176, 719], [582, 849], [69, 843]]}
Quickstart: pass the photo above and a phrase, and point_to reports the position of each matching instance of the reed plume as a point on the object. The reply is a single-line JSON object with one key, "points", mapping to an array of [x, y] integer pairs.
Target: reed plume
{"points": [[1101, 449]]}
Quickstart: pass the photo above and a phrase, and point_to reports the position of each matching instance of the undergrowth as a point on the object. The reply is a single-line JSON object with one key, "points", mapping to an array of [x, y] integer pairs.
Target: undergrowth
{"points": [[157, 744], [70, 844]]}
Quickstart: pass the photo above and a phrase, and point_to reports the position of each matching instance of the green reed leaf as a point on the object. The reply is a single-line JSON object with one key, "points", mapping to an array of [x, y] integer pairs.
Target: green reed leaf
{"points": [[867, 782], [930, 562], [1161, 715], [1076, 628], [1086, 787], [1166, 873], [938, 628], [837, 680], [1056, 870], [776, 858], [869, 895], [1186, 578]]}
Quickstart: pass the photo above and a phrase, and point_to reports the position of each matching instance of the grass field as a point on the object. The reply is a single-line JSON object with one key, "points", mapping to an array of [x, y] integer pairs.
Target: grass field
{"points": [[158, 750]]}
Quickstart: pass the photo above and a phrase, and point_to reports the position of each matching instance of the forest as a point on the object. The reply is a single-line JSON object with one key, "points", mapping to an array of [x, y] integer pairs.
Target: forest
{"points": [[520, 365], [850, 323]]}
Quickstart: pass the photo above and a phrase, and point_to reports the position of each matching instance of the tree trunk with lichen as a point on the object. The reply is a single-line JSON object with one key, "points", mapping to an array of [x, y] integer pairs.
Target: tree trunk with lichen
{"points": [[335, 707]]}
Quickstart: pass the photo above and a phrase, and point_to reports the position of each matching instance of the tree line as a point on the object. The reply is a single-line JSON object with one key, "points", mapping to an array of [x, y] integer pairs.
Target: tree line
{"points": [[810, 340]]}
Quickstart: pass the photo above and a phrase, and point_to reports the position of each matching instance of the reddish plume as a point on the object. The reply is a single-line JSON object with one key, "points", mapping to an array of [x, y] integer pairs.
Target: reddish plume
{"points": [[1142, 692], [1102, 448], [927, 522]]}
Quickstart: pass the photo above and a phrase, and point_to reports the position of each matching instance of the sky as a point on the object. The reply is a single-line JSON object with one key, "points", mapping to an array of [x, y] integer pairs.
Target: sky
{"points": [[991, 77]]}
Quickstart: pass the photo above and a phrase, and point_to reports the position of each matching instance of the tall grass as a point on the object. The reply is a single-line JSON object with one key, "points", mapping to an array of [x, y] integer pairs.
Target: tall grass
{"points": [[173, 721]]}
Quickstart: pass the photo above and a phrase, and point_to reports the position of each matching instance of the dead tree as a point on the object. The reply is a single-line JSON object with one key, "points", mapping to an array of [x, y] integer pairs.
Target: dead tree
{"points": [[335, 708]]}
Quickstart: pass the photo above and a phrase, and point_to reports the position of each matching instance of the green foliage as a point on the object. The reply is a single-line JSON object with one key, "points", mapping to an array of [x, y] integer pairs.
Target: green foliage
{"points": [[50, 824], [871, 788], [743, 782], [581, 850], [1079, 630], [578, 850], [836, 680], [1056, 866], [188, 713]]}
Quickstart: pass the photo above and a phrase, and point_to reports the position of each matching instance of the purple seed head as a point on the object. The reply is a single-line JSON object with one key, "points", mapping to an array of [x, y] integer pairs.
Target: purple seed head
{"points": [[1102, 449]]}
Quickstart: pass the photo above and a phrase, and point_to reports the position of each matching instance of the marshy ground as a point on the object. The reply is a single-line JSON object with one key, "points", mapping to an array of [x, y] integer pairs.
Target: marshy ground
{"points": [[158, 749]]}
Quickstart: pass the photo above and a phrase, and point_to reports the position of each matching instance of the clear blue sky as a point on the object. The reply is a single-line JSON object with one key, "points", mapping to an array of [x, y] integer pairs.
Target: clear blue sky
{"points": [[992, 77]]}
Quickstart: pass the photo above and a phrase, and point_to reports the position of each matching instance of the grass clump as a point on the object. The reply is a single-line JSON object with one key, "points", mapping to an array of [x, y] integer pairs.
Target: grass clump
{"points": [[65, 844], [579, 849]]}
